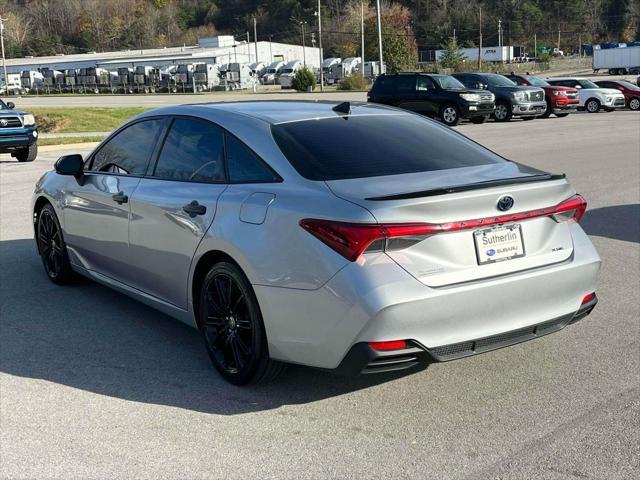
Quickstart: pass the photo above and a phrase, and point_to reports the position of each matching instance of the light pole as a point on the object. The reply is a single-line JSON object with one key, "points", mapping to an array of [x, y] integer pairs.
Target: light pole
{"points": [[320, 45], [362, 36], [4, 63], [382, 69]]}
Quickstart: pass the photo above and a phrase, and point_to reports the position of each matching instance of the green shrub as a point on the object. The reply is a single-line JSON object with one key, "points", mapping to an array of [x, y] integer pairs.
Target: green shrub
{"points": [[303, 79], [353, 82]]}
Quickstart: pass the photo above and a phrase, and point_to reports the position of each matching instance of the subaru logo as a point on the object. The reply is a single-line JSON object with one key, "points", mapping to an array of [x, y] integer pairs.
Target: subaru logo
{"points": [[491, 252], [4, 122], [505, 203]]}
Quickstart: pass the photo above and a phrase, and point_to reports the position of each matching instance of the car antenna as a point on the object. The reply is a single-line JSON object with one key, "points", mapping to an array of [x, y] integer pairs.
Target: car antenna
{"points": [[343, 108]]}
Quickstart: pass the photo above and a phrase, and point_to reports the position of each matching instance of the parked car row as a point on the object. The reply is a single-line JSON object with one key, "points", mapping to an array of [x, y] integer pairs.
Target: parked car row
{"points": [[479, 96]]}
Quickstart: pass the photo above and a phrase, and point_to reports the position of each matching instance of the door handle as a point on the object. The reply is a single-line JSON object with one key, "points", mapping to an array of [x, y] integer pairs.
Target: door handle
{"points": [[120, 198], [194, 208]]}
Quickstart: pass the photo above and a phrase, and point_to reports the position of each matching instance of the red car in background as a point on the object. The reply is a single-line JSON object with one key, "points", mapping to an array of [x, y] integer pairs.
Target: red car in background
{"points": [[561, 101], [630, 91]]}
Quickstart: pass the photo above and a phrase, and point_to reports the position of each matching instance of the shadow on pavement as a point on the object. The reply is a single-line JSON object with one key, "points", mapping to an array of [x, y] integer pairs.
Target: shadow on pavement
{"points": [[89, 337], [619, 222]]}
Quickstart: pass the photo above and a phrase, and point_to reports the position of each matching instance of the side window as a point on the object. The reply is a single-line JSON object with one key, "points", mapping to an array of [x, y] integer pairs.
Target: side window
{"points": [[424, 84], [244, 165], [128, 152], [405, 83], [193, 151]]}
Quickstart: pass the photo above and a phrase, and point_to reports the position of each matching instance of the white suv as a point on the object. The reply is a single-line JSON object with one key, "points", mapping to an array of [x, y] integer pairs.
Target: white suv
{"points": [[592, 98]]}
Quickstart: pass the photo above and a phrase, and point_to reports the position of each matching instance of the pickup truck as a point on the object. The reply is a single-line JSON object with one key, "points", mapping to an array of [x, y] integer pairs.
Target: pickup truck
{"points": [[18, 133], [561, 101], [511, 100]]}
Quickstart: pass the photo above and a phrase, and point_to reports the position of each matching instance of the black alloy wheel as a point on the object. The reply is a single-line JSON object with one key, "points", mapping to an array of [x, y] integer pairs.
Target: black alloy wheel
{"points": [[232, 327], [53, 250]]}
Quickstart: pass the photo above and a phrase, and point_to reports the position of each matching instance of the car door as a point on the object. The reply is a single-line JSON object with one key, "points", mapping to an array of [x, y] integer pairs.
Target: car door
{"points": [[405, 92], [428, 100], [96, 206], [174, 205]]}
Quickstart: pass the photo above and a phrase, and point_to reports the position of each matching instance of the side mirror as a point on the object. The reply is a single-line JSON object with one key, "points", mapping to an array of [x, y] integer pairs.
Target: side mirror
{"points": [[11, 105], [578, 87], [621, 89], [70, 165]]}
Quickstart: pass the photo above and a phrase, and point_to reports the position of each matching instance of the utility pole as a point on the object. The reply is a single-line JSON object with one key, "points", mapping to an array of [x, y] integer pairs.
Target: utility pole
{"points": [[304, 48], [558, 37], [320, 45], [362, 36], [454, 34], [270, 50], [580, 44], [248, 47], [499, 32], [382, 69], [535, 45], [4, 62], [255, 37], [480, 42]]}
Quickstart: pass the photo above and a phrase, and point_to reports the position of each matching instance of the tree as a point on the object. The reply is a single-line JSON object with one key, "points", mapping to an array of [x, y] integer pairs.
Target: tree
{"points": [[303, 80], [452, 56], [399, 49]]}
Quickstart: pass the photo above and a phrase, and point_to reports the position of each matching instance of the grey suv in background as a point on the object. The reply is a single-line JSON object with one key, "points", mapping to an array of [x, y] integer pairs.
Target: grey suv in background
{"points": [[511, 99]]}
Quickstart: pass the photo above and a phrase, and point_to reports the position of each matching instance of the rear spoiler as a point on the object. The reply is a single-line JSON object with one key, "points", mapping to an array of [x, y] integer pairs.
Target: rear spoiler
{"points": [[470, 186]]}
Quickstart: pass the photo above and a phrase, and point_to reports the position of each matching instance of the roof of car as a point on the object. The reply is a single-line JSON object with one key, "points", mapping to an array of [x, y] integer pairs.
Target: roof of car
{"points": [[281, 111]]}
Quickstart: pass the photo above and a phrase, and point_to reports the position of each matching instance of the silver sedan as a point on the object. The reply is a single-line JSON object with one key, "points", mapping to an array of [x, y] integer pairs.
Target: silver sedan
{"points": [[352, 237]]}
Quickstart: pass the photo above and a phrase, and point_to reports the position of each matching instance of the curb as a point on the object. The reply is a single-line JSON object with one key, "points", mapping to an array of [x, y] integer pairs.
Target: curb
{"points": [[67, 146]]}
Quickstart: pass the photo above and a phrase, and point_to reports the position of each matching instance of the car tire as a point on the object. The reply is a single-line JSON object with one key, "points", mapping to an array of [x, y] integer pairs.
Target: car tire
{"points": [[449, 115], [478, 120], [27, 154], [561, 115], [232, 327], [547, 113], [634, 103], [503, 112], [52, 247], [592, 105]]}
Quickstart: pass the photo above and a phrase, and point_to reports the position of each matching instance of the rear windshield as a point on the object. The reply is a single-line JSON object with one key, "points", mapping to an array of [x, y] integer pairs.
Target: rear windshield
{"points": [[375, 145]]}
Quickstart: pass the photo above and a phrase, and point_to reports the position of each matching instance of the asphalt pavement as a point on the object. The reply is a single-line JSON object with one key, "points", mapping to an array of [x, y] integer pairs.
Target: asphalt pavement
{"points": [[95, 385]]}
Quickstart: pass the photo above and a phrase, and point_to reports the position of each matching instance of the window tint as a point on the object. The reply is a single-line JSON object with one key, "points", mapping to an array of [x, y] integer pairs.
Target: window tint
{"points": [[375, 145], [424, 83], [193, 151], [128, 153], [244, 165], [405, 83]]}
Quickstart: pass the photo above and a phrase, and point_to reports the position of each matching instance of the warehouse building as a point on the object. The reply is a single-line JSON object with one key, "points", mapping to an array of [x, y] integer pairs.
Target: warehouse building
{"points": [[220, 49]]}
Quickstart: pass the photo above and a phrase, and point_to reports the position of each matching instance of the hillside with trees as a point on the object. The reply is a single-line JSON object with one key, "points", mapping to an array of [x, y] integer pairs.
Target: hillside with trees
{"points": [[46, 27]]}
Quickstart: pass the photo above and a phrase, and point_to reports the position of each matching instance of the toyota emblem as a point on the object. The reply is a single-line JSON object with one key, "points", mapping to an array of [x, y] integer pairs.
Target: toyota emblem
{"points": [[505, 203], [4, 122]]}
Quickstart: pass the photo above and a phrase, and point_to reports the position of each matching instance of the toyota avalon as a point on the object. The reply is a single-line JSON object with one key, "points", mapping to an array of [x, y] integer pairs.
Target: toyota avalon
{"points": [[352, 237]]}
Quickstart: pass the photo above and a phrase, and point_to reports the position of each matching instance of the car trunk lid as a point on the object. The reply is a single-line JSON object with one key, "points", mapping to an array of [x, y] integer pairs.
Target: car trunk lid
{"points": [[465, 195]]}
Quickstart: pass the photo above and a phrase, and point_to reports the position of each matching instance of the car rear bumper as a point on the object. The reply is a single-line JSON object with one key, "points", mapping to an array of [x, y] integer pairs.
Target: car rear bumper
{"points": [[374, 300], [362, 358], [529, 109]]}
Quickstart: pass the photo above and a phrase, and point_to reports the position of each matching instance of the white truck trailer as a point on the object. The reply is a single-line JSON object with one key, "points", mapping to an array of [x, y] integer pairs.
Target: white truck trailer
{"points": [[618, 61], [489, 54]]}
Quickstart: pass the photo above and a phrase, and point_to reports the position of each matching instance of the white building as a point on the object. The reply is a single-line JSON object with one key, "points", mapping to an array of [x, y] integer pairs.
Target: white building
{"points": [[221, 49]]}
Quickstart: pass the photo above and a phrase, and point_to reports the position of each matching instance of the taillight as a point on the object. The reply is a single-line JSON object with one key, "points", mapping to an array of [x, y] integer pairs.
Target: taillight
{"points": [[352, 239], [571, 209], [368, 94], [588, 297], [388, 345]]}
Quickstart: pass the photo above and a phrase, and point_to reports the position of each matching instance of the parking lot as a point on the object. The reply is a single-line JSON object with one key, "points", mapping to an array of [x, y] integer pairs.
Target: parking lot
{"points": [[95, 385]]}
